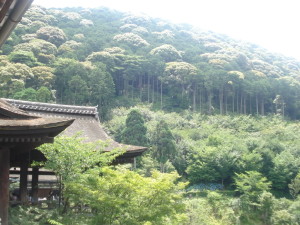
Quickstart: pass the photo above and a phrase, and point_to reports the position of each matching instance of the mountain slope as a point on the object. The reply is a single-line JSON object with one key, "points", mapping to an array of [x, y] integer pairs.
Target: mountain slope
{"points": [[107, 58]]}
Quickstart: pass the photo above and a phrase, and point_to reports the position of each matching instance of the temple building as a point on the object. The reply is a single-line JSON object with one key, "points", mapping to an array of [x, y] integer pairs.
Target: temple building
{"points": [[86, 123], [21, 133], [25, 125]]}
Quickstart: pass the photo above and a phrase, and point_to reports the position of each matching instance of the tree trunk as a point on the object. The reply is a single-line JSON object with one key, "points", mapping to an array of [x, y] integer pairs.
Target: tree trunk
{"points": [[141, 86], [241, 104], [125, 89], [250, 102], [200, 100], [237, 102], [161, 100], [194, 98], [153, 89], [245, 108], [148, 88], [221, 99], [226, 103], [262, 107], [209, 98], [132, 87], [233, 95], [256, 100]]}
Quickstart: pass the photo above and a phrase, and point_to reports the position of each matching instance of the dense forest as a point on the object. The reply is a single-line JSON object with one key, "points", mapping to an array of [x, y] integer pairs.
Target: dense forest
{"points": [[107, 58], [219, 118]]}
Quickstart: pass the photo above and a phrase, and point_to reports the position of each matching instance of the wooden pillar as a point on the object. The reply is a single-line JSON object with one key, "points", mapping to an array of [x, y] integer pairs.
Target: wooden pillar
{"points": [[4, 184], [23, 182], [134, 163], [35, 185]]}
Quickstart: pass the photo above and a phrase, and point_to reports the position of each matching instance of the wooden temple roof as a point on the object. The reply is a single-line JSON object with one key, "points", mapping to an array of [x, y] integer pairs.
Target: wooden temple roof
{"points": [[8, 111], [29, 124], [17, 126], [86, 122]]}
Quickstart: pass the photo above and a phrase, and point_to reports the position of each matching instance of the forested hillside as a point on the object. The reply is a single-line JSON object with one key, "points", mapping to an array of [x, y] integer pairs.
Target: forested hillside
{"points": [[107, 58], [219, 112]]}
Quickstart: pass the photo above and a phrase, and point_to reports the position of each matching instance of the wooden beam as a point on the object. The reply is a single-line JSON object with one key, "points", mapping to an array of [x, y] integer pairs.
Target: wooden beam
{"points": [[4, 184], [24, 181], [17, 172], [5, 8], [35, 185]]}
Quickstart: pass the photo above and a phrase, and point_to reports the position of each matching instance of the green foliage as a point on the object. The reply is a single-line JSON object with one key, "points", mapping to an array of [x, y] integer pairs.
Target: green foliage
{"points": [[251, 184], [65, 70], [28, 94], [164, 148], [133, 40], [214, 210], [294, 186], [54, 35], [78, 90], [24, 57], [167, 52], [214, 148], [31, 215], [43, 76], [43, 51], [13, 78], [286, 166], [123, 197], [68, 157], [282, 217], [101, 90], [266, 203], [217, 208], [114, 195], [174, 67], [135, 130], [43, 94]]}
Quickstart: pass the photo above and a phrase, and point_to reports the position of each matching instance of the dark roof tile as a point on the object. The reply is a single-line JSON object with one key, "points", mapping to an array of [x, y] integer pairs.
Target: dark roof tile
{"points": [[39, 106], [86, 121]]}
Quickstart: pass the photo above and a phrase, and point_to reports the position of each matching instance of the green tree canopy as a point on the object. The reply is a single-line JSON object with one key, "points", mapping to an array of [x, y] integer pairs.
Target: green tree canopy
{"points": [[23, 57], [125, 197], [163, 145], [135, 129], [167, 52], [52, 34], [251, 184], [28, 94]]}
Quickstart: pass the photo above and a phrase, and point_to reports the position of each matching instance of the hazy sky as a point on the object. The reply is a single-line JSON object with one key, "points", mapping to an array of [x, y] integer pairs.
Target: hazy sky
{"points": [[273, 24]]}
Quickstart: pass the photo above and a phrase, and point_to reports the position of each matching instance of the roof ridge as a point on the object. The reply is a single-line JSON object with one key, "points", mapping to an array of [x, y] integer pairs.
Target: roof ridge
{"points": [[10, 111], [53, 107]]}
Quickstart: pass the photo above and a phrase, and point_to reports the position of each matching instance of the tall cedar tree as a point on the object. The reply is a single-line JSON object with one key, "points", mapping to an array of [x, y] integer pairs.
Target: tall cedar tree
{"points": [[164, 148], [135, 130]]}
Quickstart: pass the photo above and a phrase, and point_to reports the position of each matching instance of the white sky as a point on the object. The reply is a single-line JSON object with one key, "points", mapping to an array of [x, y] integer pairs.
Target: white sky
{"points": [[272, 24]]}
